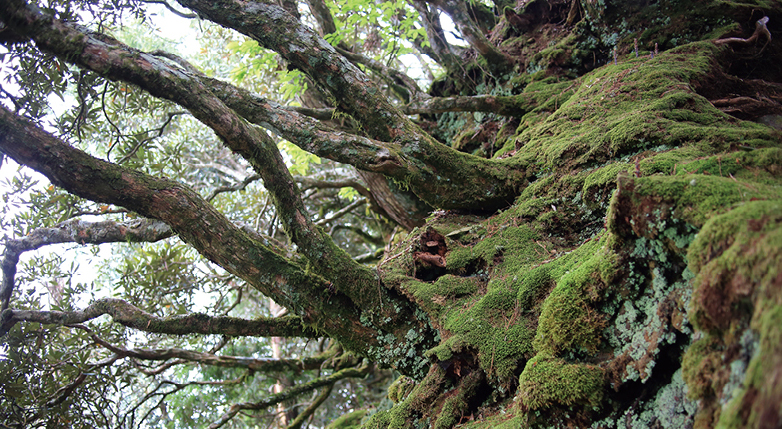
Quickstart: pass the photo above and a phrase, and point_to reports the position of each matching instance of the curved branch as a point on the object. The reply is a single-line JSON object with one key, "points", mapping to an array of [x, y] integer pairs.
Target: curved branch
{"points": [[304, 49], [255, 364], [309, 183], [290, 393], [310, 410], [342, 212], [171, 8], [76, 231], [760, 28], [128, 315], [235, 187]]}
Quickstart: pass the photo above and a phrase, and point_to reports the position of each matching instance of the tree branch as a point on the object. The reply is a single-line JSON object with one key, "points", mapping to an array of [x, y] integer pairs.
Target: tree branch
{"points": [[249, 257], [290, 393], [760, 28], [255, 364], [441, 50], [515, 106], [460, 15], [111, 58], [76, 231], [342, 212], [405, 86], [128, 315], [310, 410]]}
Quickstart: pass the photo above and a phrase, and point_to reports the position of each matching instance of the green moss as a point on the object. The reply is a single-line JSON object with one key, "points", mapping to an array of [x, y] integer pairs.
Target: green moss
{"points": [[547, 382], [701, 360], [348, 421], [400, 388], [568, 318], [736, 256], [636, 106]]}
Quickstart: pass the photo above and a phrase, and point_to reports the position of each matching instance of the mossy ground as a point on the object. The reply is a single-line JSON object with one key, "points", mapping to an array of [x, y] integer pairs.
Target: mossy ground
{"points": [[635, 282]]}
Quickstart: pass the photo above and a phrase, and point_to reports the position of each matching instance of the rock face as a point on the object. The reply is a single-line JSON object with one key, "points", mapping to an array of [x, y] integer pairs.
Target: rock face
{"points": [[636, 281]]}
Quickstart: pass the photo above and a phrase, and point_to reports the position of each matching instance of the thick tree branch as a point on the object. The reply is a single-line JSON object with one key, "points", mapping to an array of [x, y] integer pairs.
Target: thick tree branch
{"points": [[117, 61], [290, 393], [76, 231], [128, 315], [305, 50], [437, 174], [322, 15], [197, 223]]}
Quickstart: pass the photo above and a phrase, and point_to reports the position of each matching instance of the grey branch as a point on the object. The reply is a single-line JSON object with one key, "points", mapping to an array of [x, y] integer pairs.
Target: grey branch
{"points": [[76, 231], [133, 317]]}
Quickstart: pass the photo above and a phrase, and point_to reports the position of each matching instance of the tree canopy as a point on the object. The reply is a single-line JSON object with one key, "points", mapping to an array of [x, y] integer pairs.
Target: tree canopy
{"points": [[541, 213]]}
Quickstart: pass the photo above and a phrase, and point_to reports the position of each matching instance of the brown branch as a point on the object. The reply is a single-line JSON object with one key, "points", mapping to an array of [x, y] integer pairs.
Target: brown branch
{"points": [[322, 15], [304, 49], [117, 61], [76, 231], [232, 188], [249, 257], [64, 392], [290, 393], [440, 50], [128, 315], [430, 259]]}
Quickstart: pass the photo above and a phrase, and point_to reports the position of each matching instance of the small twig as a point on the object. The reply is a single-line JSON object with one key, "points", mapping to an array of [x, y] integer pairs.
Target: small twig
{"points": [[347, 209], [171, 8]]}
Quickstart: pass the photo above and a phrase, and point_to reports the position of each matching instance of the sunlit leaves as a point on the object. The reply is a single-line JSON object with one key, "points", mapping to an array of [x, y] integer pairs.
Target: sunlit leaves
{"points": [[382, 29], [300, 159]]}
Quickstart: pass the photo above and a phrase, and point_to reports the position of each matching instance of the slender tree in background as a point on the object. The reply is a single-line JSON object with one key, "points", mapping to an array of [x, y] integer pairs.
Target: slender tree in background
{"points": [[349, 214]]}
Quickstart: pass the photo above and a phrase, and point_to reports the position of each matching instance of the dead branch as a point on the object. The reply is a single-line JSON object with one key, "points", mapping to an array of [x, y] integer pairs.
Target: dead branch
{"points": [[760, 28]]}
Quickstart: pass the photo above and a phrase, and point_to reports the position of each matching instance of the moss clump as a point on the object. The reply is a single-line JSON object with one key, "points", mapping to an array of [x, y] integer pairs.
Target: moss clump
{"points": [[738, 259], [547, 381], [400, 388], [737, 300], [350, 420], [569, 319]]}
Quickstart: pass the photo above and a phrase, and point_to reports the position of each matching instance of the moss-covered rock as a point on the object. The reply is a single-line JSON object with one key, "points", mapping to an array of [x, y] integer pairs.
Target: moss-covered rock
{"points": [[635, 280]]}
